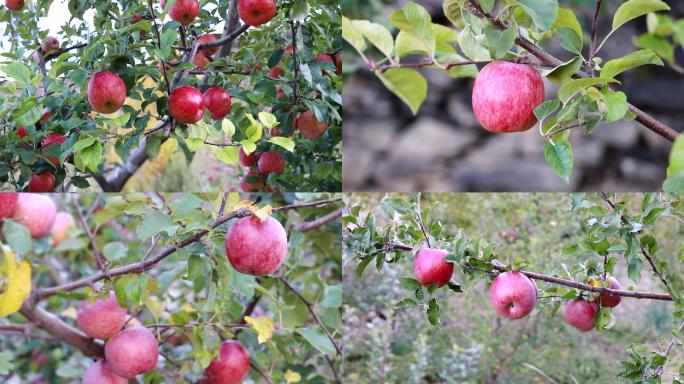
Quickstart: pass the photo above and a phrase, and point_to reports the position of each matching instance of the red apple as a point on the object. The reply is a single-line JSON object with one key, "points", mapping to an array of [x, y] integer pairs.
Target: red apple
{"points": [[608, 300], [131, 352], [21, 132], [106, 92], [580, 314], [256, 12], [271, 162], [8, 204], [200, 60], [324, 58], [60, 230], [248, 160], [289, 50], [49, 45], [430, 268], [186, 104], [217, 101], [101, 318], [48, 141], [98, 373], [280, 93], [138, 17], [513, 295], [14, 5], [309, 125], [251, 182], [207, 38], [505, 95], [256, 247], [231, 366], [36, 213], [42, 182], [183, 11], [275, 72]]}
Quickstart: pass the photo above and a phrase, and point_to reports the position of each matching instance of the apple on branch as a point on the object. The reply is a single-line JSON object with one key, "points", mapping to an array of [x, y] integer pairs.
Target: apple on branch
{"points": [[42, 182], [36, 212], [505, 95], [430, 268], [186, 104], [513, 295], [106, 92], [131, 352], [217, 101], [256, 12], [581, 314], [231, 366], [49, 45], [271, 162], [256, 247]]}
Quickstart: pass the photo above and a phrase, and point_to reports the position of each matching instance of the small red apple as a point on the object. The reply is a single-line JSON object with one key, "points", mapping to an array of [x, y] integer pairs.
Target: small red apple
{"points": [[280, 94], [63, 222], [251, 182], [275, 72], [42, 182], [256, 247], [505, 95], [49, 45], [106, 92], [98, 373], [207, 38], [580, 314], [309, 125], [101, 318], [131, 352], [21, 132], [183, 11], [513, 295], [35, 212], [200, 60], [271, 162], [217, 101], [430, 268], [338, 63], [8, 204], [48, 141], [608, 300], [248, 160], [14, 5], [256, 12], [231, 366], [45, 117], [186, 104]]}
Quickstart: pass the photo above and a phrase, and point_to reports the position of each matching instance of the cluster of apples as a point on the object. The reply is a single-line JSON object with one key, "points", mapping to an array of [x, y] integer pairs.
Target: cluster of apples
{"points": [[252, 12], [259, 165], [130, 349], [512, 294], [38, 213], [43, 181]]}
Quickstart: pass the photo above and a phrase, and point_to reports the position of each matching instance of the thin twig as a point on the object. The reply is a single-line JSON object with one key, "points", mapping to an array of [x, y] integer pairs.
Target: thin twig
{"points": [[419, 216], [311, 225], [594, 27], [260, 372], [101, 261]]}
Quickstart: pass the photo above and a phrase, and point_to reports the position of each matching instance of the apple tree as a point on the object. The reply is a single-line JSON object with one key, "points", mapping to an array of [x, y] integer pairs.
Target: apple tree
{"points": [[121, 81], [170, 288], [508, 95], [617, 230]]}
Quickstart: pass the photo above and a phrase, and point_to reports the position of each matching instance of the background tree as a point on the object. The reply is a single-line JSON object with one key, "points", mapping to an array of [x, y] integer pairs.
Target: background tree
{"points": [[565, 244], [163, 257], [48, 115]]}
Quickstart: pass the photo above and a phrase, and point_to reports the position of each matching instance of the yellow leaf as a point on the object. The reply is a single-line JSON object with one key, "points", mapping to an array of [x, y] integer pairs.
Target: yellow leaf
{"points": [[263, 212], [292, 377], [155, 306], [17, 285], [187, 308], [242, 204], [263, 325]]}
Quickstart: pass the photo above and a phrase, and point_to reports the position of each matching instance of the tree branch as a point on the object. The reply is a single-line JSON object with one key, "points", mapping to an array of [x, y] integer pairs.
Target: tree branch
{"points": [[309, 306], [311, 225], [594, 27], [497, 267], [260, 372], [547, 59], [101, 261]]}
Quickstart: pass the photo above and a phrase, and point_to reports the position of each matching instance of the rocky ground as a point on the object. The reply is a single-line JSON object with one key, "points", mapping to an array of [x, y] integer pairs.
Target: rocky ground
{"points": [[445, 149]]}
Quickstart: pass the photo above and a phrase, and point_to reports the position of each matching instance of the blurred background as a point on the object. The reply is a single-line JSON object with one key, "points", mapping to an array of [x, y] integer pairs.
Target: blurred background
{"points": [[445, 149], [473, 345]]}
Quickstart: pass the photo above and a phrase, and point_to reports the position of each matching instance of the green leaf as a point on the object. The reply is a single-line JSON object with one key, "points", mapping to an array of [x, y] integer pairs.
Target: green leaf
{"points": [[543, 110], [284, 142], [471, 47], [405, 303], [563, 72], [634, 59], [433, 312], [268, 120], [657, 44], [353, 36], [194, 144], [377, 34], [317, 339], [154, 223], [228, 155], [415, 19], [197, 266], [88, 154], [570, 41], [499, 42], [28, 112], [616, 105], [674, 184], [572, 87], [542, 12], [408, 84], [559, 155], [409, 283], [115, 251], [17, 237], [675, 171], [634, 8], [566, 18], [332, 297], [18, 72], [299, 10]]}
